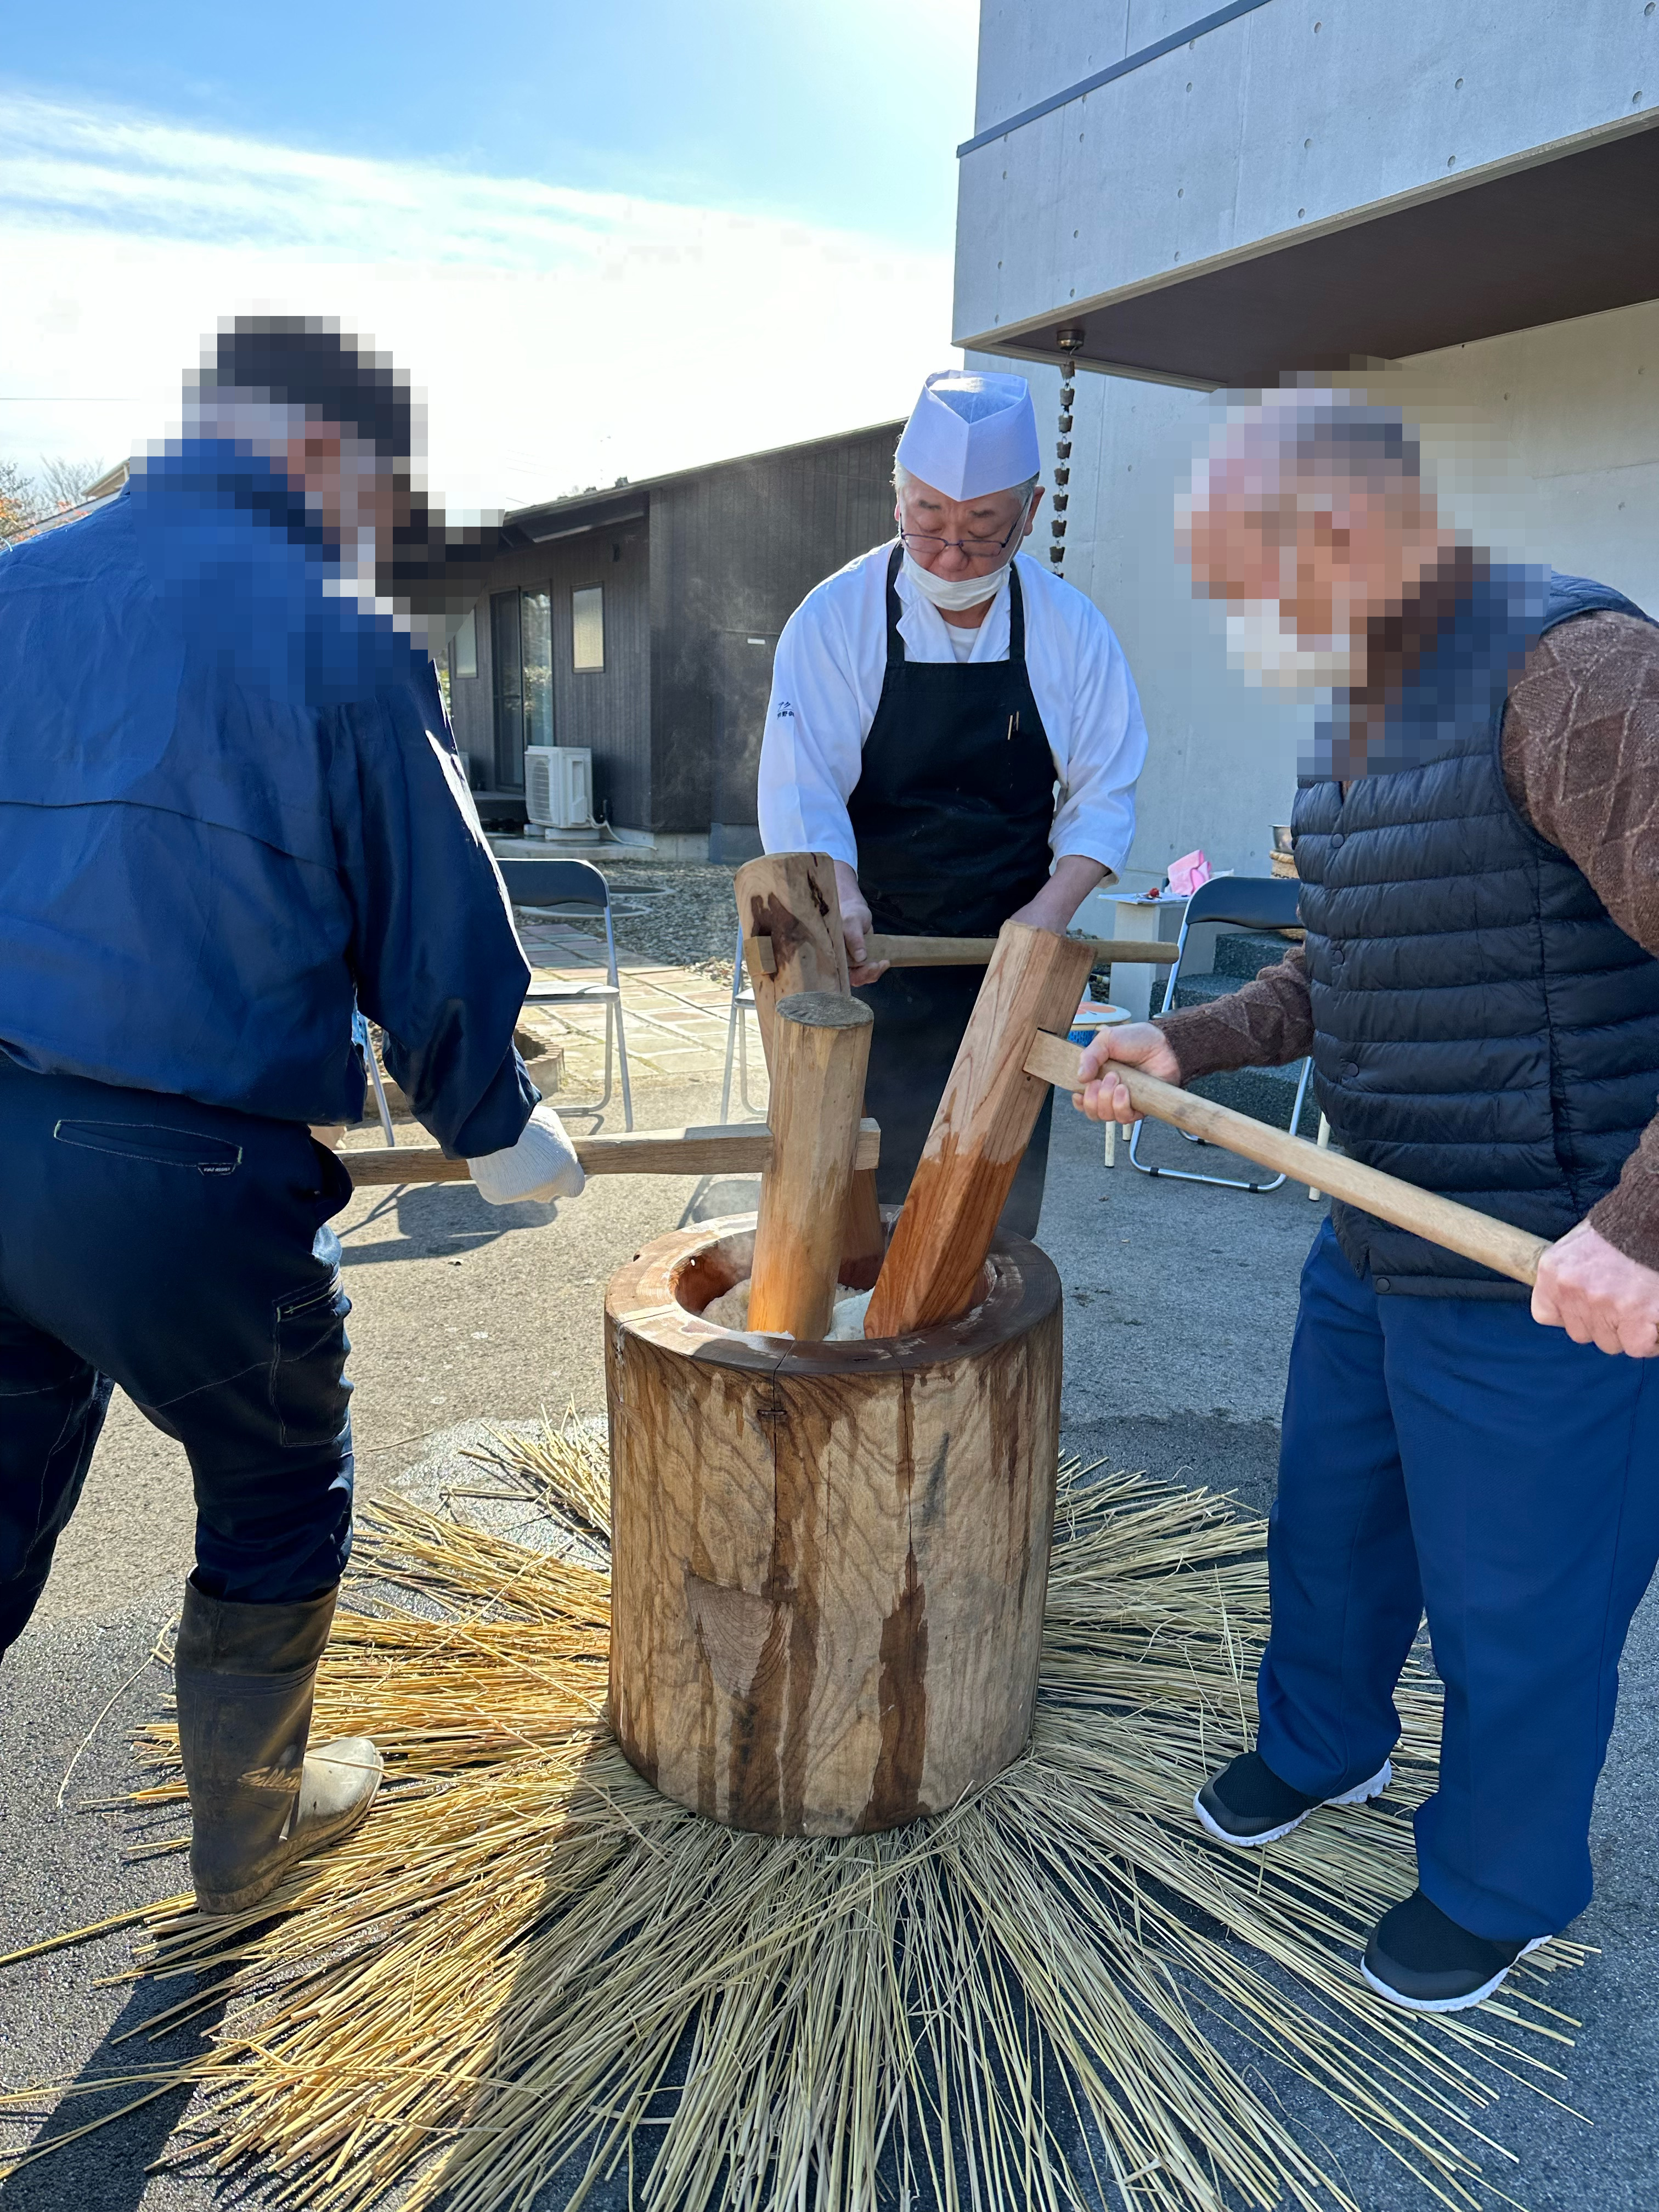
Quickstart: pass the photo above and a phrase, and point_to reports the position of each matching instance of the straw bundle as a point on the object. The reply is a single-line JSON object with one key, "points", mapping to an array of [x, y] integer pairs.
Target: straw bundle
{"points": [[528, 1974]]}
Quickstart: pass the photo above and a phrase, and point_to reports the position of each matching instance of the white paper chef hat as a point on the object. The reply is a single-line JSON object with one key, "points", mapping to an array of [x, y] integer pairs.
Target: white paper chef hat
{"points": [[970, 434]]}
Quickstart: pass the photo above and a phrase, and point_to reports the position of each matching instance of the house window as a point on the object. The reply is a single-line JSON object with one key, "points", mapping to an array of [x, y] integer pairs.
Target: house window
{"points": [[588, 628], [463, 646], [521, 634]]}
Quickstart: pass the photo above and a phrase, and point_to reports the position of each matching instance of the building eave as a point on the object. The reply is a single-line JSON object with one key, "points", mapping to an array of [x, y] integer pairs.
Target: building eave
{"points": [[594, 510], [1552, 234]]}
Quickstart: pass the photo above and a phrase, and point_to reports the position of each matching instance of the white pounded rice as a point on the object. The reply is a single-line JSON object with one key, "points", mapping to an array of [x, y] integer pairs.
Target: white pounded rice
{"points": [[731, 1310]]}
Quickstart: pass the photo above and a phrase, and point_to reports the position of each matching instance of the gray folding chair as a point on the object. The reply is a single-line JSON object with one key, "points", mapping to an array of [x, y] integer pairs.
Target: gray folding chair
{"points": [[1245, 903], [558, 890], [736, 1033], [365, 1044]]}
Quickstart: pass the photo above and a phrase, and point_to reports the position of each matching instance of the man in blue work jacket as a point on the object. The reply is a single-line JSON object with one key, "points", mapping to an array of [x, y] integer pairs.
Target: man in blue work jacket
{"points": [[231, 814]]}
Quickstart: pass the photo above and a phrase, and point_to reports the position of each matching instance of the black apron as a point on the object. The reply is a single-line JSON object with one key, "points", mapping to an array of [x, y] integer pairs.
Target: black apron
{"points": [[952, 812]]}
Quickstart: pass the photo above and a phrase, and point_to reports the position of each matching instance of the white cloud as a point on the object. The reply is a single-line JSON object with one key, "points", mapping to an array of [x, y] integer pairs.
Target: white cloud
{"points": [[562, 338]]}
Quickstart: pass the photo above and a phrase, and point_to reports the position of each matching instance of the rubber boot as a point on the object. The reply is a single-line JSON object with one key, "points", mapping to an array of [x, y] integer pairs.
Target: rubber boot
{"points": [[245, 1674]]}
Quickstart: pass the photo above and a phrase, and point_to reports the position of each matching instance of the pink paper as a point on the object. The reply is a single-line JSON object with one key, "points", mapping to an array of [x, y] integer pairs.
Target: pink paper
{"points": [[1187, 873]]}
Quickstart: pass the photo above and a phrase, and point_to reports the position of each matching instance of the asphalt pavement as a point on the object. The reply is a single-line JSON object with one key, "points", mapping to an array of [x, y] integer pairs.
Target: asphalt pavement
{"points": [[1179, 1301]]}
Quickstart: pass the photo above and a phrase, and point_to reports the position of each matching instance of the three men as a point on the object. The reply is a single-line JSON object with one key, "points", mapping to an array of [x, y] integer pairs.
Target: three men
{"points": [[959, 730], [231, 814], [1478, 837]]}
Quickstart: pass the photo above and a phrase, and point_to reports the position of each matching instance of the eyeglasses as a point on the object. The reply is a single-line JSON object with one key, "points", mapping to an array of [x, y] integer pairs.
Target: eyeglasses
{"points": [[972, 549]]}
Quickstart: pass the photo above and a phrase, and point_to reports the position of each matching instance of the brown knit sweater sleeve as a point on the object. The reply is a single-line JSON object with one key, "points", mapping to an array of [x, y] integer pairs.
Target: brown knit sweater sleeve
{"points": [[1263, 1024], [1581, 758]]}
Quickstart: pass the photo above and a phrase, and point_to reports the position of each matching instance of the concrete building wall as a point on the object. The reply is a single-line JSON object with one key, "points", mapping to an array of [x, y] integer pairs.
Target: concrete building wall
{"points": [[1544, 443], [1572, 411], [1221, 762], [1297, 116], [1294, 116]]}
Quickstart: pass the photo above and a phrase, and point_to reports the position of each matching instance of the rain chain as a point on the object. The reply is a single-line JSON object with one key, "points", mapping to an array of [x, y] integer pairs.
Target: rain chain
{"points": [[1069, 341]]}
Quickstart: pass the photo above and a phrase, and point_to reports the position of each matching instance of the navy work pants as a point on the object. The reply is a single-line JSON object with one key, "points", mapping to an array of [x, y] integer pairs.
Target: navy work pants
{"points": [[1450, 1454], [181, 1251]]}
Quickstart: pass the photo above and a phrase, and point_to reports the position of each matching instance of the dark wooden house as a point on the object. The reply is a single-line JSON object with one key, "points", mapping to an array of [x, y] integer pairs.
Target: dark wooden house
{"points": [[640, 622]]}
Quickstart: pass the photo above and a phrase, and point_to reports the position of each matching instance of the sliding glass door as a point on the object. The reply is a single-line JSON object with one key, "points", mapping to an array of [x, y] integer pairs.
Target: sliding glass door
{"points": [[521, 634]]}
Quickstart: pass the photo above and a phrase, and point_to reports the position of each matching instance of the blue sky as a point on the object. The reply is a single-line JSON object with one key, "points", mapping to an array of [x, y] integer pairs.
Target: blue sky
{"points": [[846, 113], [607, 240]]}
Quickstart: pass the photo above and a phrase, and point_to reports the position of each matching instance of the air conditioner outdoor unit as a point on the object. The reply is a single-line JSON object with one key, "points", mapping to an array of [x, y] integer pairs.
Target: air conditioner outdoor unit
{"points": [[558, 786]]}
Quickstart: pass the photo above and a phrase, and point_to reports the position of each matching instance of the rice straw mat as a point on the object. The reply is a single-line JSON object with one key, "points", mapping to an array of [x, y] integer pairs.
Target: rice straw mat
{"points": [[527, 1979]]}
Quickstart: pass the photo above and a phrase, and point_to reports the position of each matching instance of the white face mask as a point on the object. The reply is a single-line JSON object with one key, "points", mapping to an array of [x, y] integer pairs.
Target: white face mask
{"points": [[1261, 642], [954, 593]]}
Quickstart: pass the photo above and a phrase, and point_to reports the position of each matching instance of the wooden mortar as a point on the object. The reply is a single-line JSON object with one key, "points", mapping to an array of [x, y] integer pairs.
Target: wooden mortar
{"points": [[829, 1560]]}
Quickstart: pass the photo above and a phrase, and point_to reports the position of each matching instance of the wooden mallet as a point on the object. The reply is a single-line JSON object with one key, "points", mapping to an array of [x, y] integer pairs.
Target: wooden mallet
{"points": [[721, 1148], [935, 1262], [790, 911], [820, 1047], [1496, 1244]]}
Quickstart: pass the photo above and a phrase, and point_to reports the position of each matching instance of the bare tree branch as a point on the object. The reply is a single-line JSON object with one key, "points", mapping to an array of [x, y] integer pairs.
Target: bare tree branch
{"points": [[66, 483], [21, 499]]}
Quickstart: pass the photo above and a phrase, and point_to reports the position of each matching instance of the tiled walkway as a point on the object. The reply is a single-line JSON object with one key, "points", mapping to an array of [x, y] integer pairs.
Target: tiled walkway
{"points": [[676, 1018]]}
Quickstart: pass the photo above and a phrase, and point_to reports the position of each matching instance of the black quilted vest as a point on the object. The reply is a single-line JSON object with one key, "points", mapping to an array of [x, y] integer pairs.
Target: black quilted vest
{"points": [[1481, 1026]]}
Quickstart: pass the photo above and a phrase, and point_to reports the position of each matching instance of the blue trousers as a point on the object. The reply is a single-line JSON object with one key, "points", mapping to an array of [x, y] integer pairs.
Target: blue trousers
{"points": [[179, 1250], [1450, 1454]]}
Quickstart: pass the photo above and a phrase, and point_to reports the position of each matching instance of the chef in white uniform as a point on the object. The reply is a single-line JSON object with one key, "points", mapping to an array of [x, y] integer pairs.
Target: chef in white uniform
{"points": [[959, 730]]}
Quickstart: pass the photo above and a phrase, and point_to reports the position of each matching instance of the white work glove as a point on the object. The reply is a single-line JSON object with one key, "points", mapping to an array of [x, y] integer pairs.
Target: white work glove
{"points": [[542, 1165]]}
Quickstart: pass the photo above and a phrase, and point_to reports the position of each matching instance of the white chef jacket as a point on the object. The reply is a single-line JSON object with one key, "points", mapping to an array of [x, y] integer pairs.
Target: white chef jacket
{"points": [[827, 678]]}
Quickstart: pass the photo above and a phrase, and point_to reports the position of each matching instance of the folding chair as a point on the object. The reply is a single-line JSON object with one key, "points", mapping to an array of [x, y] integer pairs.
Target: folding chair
{"points": [[365, 1044], [1323, 1141], [1246, 903], [736, 1033], [558, 890]]}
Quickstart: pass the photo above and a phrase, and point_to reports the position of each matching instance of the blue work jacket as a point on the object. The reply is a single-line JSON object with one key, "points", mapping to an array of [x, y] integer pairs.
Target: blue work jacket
{"points": [[230, 810]]}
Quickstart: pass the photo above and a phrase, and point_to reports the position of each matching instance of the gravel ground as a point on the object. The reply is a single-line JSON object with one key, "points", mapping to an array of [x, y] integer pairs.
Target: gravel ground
{"points": [[685, 916]]}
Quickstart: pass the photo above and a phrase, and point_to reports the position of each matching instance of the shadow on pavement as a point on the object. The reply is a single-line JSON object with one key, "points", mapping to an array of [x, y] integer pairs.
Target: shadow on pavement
{"points": [[436, 1220], [105, 2170], [716, 1196]]}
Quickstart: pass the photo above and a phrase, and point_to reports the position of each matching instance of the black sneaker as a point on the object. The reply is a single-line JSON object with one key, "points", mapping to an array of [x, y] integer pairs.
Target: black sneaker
{"points": [[1247, 1803], [1420, 1959]]}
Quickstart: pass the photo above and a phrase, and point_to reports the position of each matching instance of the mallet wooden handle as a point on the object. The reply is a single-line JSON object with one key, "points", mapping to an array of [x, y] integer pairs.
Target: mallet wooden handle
{"points": [[790, 910], [971, 952], [976, 952], [723, 1148], [1496, 1244], [979, 1136], [820, 1048]]}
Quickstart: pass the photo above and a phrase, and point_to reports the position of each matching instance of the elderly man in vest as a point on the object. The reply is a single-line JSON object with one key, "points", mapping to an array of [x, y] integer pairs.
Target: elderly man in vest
{"points": [[1477, 831]]}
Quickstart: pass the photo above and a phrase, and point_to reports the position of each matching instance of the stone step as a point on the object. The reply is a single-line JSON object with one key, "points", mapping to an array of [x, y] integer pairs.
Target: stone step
{"points": [[1242, 952], [1240, 955], [1264, 1093], [1198, 990]]}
